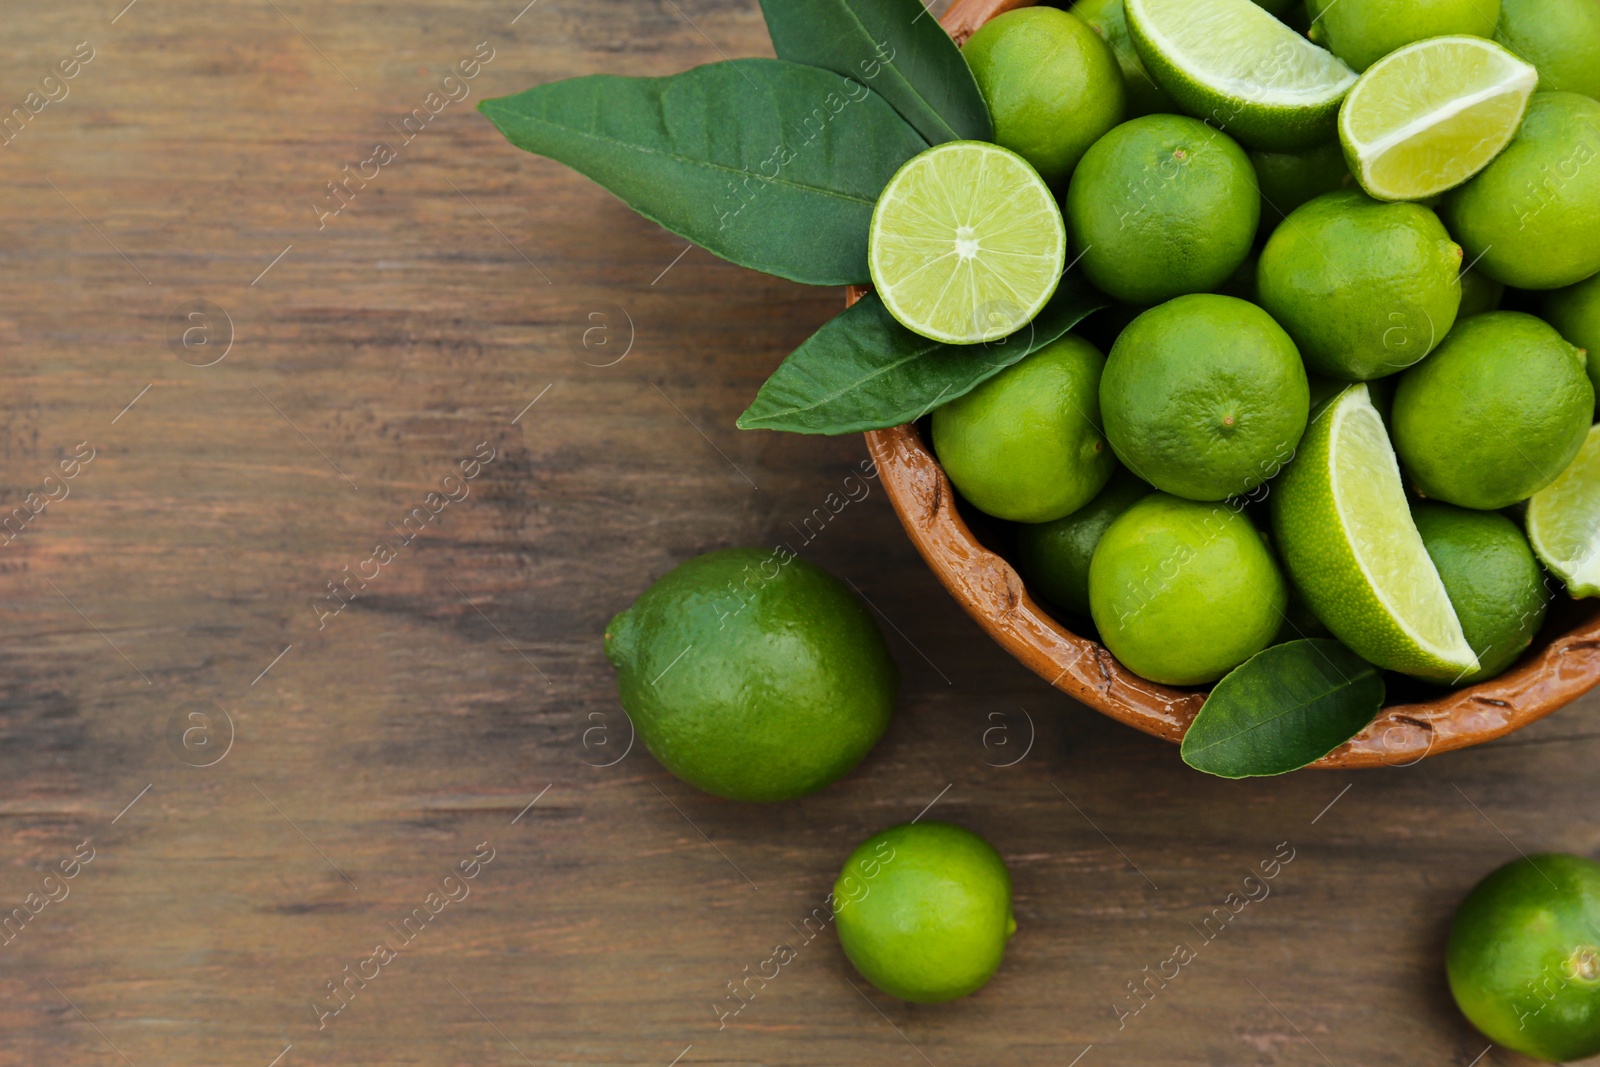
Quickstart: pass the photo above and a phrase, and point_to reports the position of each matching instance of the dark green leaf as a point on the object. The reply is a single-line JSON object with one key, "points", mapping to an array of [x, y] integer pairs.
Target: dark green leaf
{"points": [[770, 164], [895, 47], [865, 371], [1283, 708]]}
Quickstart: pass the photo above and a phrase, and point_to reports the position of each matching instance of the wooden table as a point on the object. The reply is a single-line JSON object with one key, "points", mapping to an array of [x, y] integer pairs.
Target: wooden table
{"points": [[269, 787]]}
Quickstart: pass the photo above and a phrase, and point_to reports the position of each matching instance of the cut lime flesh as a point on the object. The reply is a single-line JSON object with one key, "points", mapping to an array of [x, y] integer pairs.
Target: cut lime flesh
{"points": [[1564, 521], [967, 243]]}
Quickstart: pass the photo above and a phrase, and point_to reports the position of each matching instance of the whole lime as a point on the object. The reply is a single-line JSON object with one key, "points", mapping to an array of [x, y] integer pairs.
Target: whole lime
{"points": [[1532, 217], [1183, 592], [1052, 85], [1560, 37], [1495, 414], [1524, 957], [1054, 556], [924, 911], [1144, 96], [1161, 206], [1575, 313], [1365, 288], [1492, 578], [1361, 32], [1026, 445], [1204, 397], [1289, 179], [752, 674]]}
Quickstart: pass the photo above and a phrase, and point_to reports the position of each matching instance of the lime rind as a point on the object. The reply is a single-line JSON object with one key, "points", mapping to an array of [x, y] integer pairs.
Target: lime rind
{"points": [[1564, 521], [1429, 116], [967, 243]]}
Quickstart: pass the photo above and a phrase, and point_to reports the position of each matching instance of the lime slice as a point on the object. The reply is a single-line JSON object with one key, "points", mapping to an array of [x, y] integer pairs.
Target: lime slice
{"points": [[1240, 69], [967, 243], [1345, 532], [1426, 118], [1564, 521]]}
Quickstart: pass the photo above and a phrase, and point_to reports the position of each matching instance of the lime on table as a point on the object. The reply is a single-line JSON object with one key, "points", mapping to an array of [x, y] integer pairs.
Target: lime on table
{"points": [[1242, 69], [1343, 528], [1426, 118], [1564, 521], [1361, 32], [1560, 37], [1523, 958], [924, 911], [966, 244]]}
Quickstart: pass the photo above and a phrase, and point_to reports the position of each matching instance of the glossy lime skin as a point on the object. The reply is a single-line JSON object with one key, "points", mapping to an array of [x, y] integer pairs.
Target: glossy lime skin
{"points": [[1026, 445], [1183, 592], [1054, 556], [1495, 414], [1289, 179], [1524, 957], [1575, 313], [1560, 37], [1109, 20], [1161, 206], [924, 911], [1361, 32], [1204, 397], [1365, 288], [1532, 217], [1052, 84], [752, 674], [1492, 578]]}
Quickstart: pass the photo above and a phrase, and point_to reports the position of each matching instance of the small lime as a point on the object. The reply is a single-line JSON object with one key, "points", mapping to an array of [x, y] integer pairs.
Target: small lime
{"points": [[752, 674], [1361, 32], [1289, 179], [924, 911], [1144, 96], [1575, 313], [1560, 37], [1054, 556]]}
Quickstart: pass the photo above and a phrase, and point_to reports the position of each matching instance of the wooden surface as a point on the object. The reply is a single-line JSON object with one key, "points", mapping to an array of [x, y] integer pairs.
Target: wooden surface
{"points": [[378, 752]]}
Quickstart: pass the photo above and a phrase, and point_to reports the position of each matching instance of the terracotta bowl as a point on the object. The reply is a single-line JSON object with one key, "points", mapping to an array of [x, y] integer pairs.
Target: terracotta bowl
{"points": [[1562, 664]]}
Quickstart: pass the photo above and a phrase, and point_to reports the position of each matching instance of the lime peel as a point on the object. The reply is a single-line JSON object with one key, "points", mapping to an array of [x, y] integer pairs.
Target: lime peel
{"points": [[1564, 521]]}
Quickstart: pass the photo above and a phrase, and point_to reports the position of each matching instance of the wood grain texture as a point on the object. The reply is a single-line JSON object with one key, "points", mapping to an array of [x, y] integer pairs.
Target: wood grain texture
{"points": [[380, 750]]}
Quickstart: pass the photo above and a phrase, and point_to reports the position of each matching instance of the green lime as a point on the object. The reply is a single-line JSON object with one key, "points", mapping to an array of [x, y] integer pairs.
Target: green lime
{"points": [[1495, 414], [1054, 556], [1343, 529], [1524, 957], [752, 674], [1480, 293], [1564, 521], [1560, 37], [1532, 217], [924, 911], [1575, 313], [1143, 185], [1428, 117], [1364, 288], [1052, 85], [1184, 592], [1204, 397], [966, 243], [1495, 584], [1026, 445], [1144, 96], [1289, 179], [1245, 71], [1361, 32]]}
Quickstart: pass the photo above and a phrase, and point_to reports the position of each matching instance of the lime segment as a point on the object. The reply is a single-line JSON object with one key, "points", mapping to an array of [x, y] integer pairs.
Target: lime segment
{"points": [[967, 243], [1564, 521], [1426, 118]]}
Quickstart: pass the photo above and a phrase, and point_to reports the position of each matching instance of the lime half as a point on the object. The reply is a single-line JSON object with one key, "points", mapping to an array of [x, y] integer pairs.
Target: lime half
{"points": [[1564, 521], [1242, 70], [1345, 532], [967, 243], [1426, 118]]}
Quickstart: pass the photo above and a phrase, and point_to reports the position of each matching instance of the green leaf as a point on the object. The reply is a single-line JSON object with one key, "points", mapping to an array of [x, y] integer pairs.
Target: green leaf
{"points": [[1283, 708], [769, 164], [895, 47], [865, 371]]}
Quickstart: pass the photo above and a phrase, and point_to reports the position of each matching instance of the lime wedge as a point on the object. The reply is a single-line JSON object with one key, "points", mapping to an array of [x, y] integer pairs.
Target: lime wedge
{"points": [[1564, 521], [1429, 116], [967, 243], [1344, 530], [1240, 69]]}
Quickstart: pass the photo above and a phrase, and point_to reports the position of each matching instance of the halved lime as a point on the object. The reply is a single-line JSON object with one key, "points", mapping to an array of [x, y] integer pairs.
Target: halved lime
{"points": [[1564, 521], [1344, 530], [1429, 116], [967, 243], [1240, 69]]}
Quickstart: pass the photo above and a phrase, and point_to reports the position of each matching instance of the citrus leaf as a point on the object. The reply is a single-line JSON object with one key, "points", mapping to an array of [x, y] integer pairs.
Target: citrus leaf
{"points": [[895, 47], [769, 164], [1283, 708], [865, 371]]}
